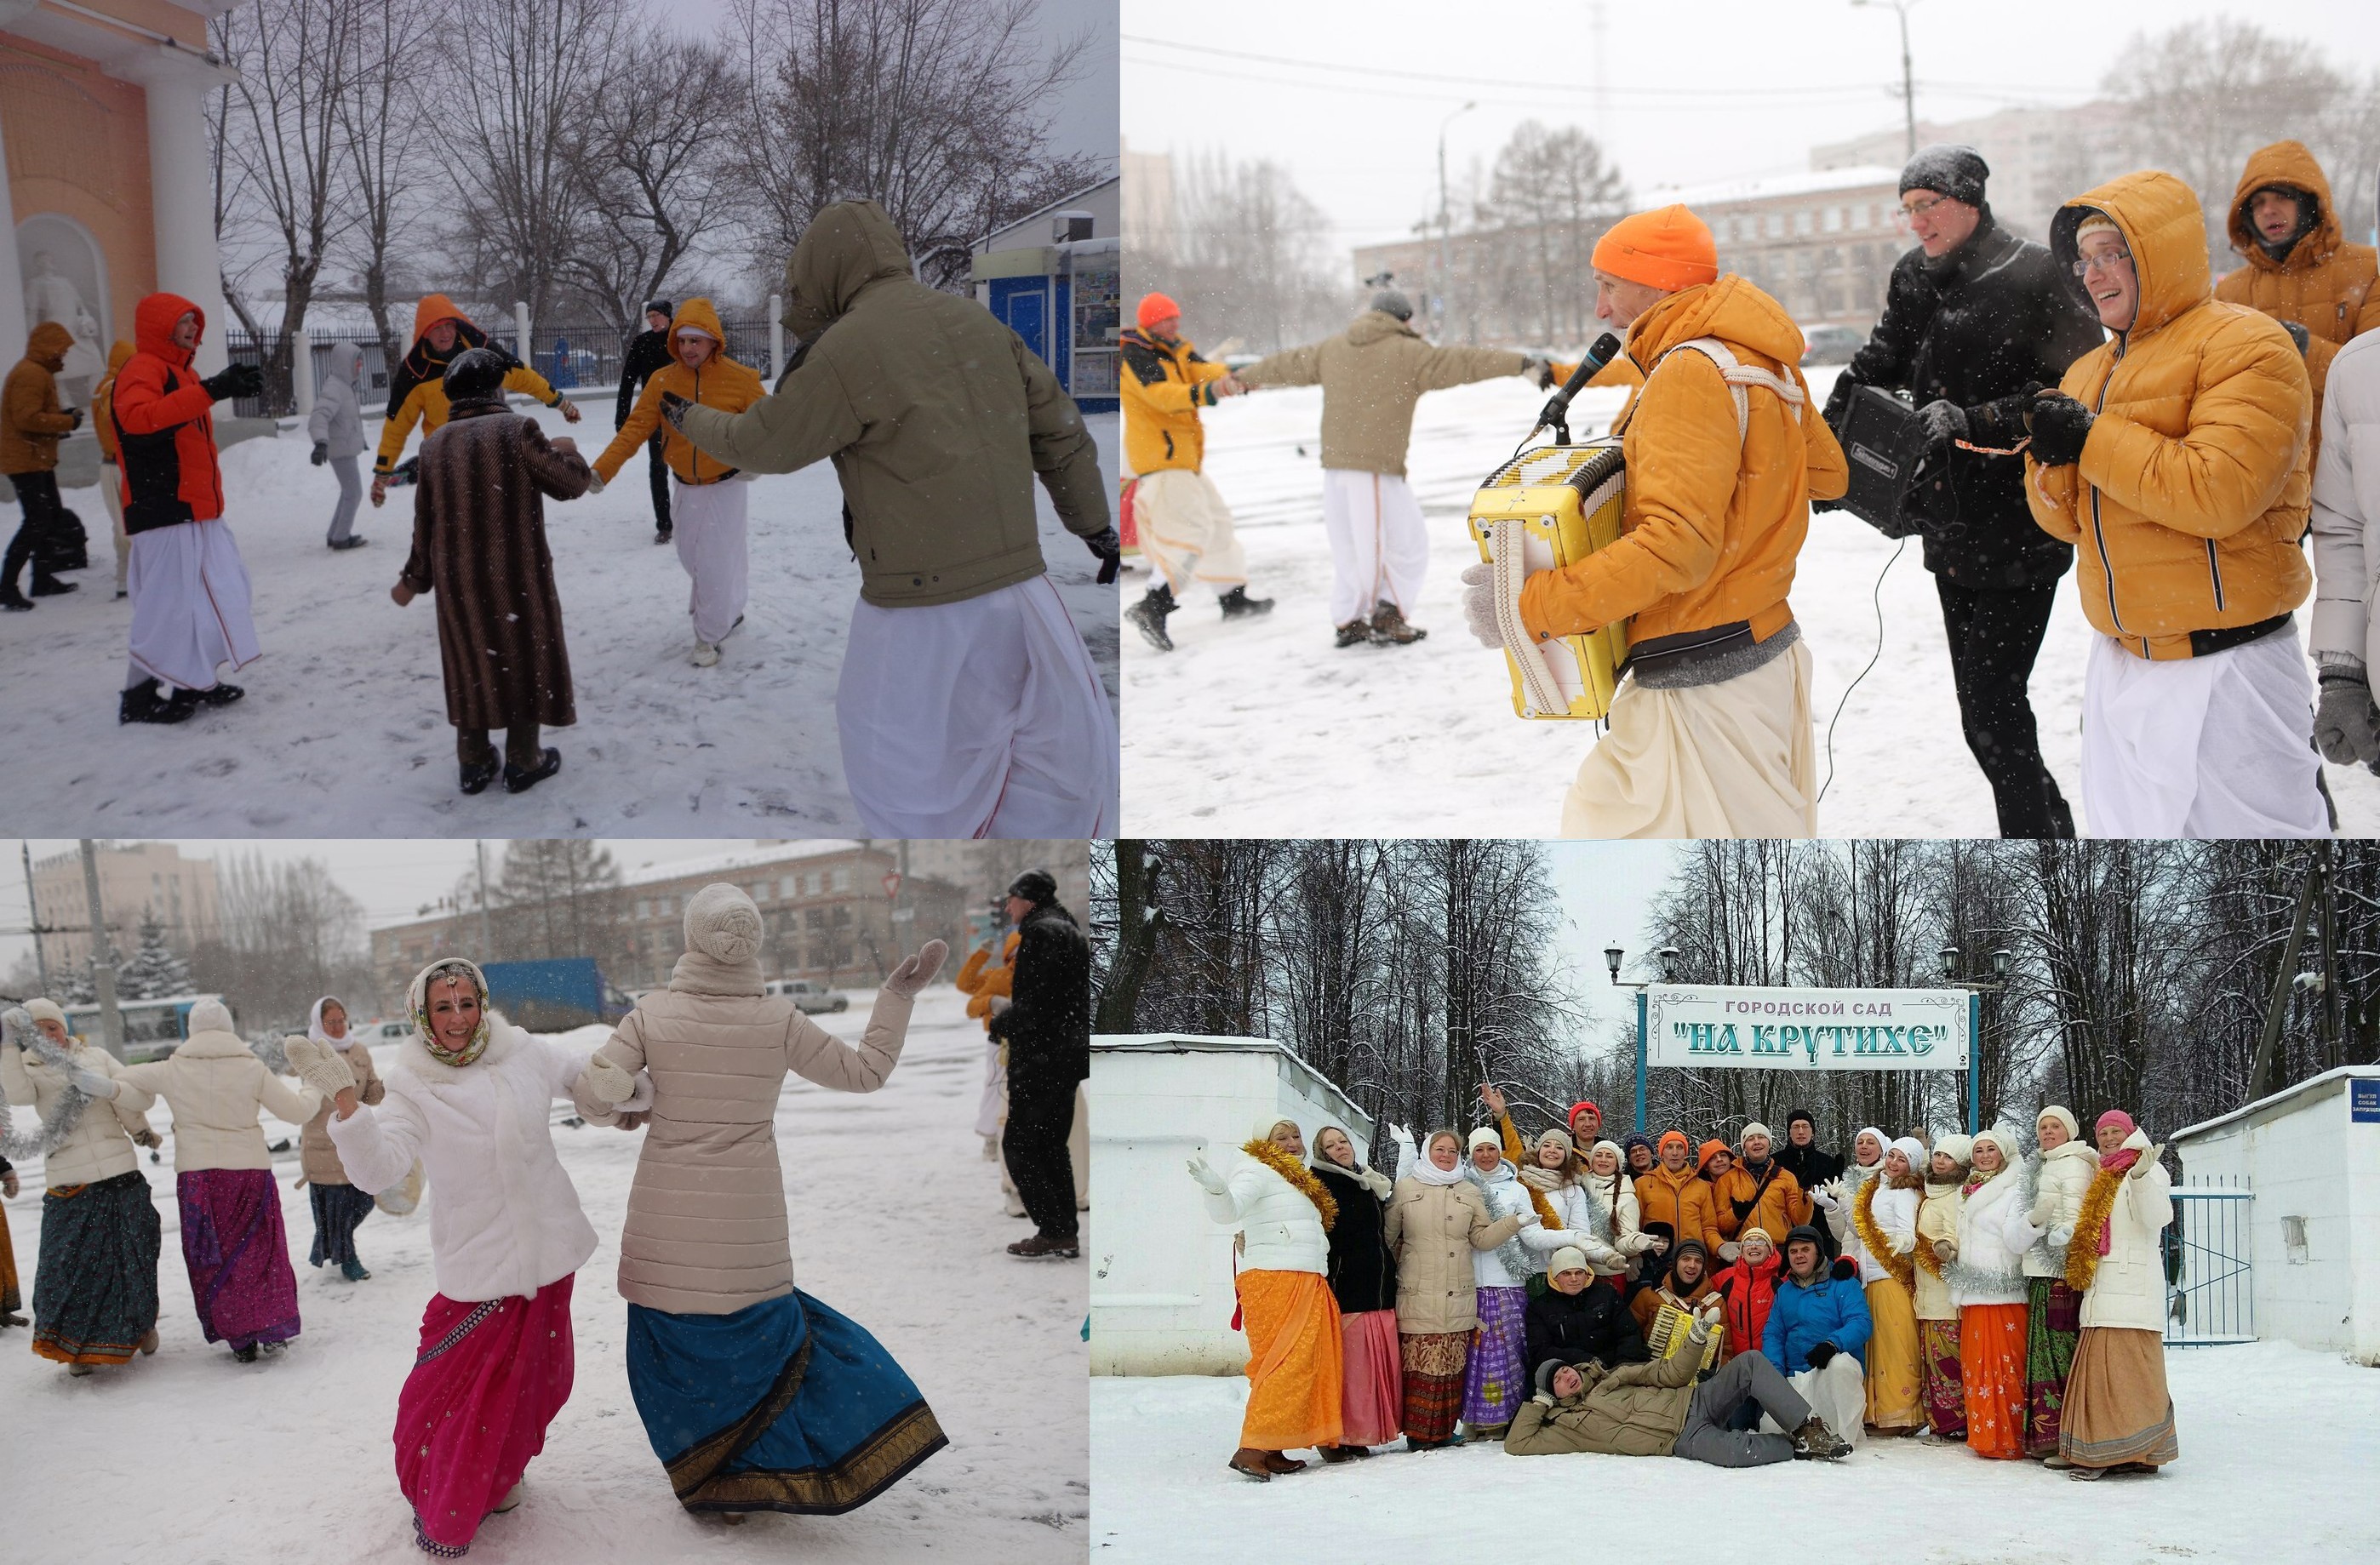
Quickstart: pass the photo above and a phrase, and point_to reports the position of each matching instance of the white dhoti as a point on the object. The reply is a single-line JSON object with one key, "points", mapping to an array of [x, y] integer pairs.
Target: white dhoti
{"points": [[190, 604], [1379, 548], [2215, 747], [1837, 1393], [979, 719], [707, 523], [1186, 529], [991, 1108], [1731, 759]]}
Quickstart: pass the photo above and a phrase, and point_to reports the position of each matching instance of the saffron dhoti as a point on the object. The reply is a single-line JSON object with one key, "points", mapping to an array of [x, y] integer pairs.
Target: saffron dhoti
{"points": [[1295, 1368], [239, 1256], [489, 1377]]}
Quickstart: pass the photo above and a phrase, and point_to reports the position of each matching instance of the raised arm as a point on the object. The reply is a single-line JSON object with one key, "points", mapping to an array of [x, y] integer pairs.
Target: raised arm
{"points": [[814, 1054]]}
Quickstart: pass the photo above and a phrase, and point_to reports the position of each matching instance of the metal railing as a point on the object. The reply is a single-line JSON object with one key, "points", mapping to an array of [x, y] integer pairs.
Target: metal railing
{"points": [[2208, 1266]]}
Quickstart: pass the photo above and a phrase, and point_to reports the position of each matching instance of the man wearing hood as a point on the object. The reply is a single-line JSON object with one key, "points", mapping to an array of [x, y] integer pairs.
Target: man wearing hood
{"points": [[1709, 734], [32, 423], [336, 427], [1372, 375], [648, 351], [2175, 456], [416, 391], [969, 705], [1973, 316], [190, 586]]}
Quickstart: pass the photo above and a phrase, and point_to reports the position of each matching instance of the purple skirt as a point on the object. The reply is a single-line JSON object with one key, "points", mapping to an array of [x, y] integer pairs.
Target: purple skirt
{"points": [[239, 1256], [1496, 1383]]}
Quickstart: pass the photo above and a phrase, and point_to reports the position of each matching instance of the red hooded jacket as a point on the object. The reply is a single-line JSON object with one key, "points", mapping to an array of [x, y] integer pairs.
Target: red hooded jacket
{"points": [[1750, 1290], [164, 424]]}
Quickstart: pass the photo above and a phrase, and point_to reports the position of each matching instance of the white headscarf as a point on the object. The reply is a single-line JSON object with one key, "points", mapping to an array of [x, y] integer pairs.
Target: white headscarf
{"points": [[1429, 1173], [314, 1023]]}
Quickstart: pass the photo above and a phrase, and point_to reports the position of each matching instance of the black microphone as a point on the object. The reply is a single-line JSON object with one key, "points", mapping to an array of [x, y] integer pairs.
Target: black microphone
{"points": [[1555, 414]]}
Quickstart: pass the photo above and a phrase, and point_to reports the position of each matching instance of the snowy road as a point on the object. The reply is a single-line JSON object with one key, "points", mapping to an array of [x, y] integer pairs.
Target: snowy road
{"points": [[2272, 1437], [344, 730], [191, 1459], [1265, 729]]}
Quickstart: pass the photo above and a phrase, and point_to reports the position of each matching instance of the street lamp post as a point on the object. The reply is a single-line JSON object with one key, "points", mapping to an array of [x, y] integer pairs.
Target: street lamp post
{"points": [[1900, 8], [1445, 218], [2001, 959], [1612, 958]]}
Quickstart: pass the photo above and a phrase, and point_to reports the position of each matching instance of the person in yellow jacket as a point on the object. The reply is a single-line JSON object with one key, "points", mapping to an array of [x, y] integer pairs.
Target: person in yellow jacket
{"points": [[2300, 270], [417, 392], [2175, 458], [707, 496], [1185, 527], [1709, 733], [111, 475]]}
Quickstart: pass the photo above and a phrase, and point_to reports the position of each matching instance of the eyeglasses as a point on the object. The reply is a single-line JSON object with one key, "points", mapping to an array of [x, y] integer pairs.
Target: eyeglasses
{"points": [[2105, 260], [1919, 209]]}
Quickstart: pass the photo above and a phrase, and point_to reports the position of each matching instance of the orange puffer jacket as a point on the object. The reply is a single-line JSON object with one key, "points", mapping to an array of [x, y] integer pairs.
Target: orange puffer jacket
{"points": [[1164, 385], [2191, 492], [983, 983], [2324, 283], [721, 383], [1682, 1200], [1715, 519], [1775, 1207], [164, 423]]}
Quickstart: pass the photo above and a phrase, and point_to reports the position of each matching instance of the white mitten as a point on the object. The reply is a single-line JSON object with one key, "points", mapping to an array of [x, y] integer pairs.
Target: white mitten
{"points": [[2045, 1207], [1729, 1251], [641, 1098], [1208, 1180], [611, 1083], [1823, 1196], [319, 1066], [1479, 604], [1946, 1250], [917, 969], [93, 1084], [1401, 1135], [595, 484]]}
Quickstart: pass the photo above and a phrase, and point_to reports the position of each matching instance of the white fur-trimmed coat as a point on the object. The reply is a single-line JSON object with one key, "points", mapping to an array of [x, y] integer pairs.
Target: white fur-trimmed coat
{"points": [[1993, 1234]]}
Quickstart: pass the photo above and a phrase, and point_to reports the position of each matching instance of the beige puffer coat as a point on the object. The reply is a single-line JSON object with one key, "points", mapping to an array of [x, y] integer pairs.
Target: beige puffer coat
{"points": [[1937, 1218], [316, 1154], [100, 1145], [215, 1085], [1432, 1229], [2062, 1176], [706, 1227]]}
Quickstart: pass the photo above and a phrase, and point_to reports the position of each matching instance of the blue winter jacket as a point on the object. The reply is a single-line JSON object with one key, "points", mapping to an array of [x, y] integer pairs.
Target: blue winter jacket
{"points": [[1829, 1310]]}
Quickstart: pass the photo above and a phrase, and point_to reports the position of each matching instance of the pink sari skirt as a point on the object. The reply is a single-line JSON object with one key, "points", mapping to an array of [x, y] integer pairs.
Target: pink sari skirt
{"points": [[488, 1379], [1372, 1383]]}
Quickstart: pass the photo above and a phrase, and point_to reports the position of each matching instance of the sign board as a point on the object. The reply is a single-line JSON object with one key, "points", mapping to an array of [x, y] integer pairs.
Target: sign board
{"points": [[892, 883], [1723, 1026], [2363, 1100]]}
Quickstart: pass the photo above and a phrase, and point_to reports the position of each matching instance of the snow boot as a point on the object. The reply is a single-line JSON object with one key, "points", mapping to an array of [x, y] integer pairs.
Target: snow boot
{"points": [[1237, 605], [1389, 627], [11, 1317], [1354, 632], [354, 1271], [141, 703], [53, 587], [12, 599], [1281, 1462], [1251, 1461], [148, 1343], [79, 1370], [350, 541], [520, 782], [220, 694], [245, 1354], [1148, 616], [1814, 1442], [706, 654], [477, 778], [661, 535], [1041, 1244]]}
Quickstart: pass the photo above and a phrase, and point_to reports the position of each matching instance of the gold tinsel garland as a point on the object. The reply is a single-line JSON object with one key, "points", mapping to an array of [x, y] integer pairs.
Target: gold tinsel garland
{"points": [[1299, 1176], [2082, 1250], [1864, 1220]]}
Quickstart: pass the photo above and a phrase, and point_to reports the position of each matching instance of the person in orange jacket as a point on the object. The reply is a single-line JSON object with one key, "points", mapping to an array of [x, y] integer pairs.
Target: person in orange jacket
{"points": [[1757, 1192], [32, 424], [707, 507], [417, 392], [2175, 457], [1675, 1192], [1709, 734]]}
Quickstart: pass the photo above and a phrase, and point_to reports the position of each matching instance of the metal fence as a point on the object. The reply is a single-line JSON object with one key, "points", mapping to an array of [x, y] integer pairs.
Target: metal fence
{"points": [[2208, 1269]]}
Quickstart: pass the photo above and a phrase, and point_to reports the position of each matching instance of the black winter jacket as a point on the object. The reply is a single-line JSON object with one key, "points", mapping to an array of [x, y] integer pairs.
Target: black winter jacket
{"points": [[1048, 1024], [1363, 1273], [1975, 328], [1593, 1323], [648, 351]]}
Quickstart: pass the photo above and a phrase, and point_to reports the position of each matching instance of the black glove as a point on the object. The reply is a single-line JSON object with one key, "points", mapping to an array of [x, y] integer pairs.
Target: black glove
{"points": [[74, 419], [673, 408], [237, 381], [321, 454], [2059, 425], [1743, 1208], [1820, 1355], [1945, 421], [1844, 1268], [1109, 549], [1839, 399], [2297, 334]]}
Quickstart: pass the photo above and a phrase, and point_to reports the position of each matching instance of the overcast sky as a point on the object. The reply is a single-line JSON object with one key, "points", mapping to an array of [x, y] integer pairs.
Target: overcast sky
{"points": [[1350, 97], [1607, 891]]}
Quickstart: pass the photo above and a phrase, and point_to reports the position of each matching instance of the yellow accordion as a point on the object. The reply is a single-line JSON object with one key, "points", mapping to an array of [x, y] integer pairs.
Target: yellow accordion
{"points": [[1547, 508]]}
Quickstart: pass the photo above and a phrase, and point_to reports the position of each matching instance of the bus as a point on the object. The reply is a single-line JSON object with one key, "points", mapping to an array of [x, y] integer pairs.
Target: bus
{"points": [[152, 1027]]}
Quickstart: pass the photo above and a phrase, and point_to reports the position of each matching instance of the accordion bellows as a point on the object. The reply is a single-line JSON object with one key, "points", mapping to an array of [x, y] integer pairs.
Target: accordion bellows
{"points": [[1547, 508]]}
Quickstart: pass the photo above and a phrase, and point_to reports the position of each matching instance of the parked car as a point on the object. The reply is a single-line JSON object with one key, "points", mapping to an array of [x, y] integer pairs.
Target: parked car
{"points": [[388, 1032], [1831, 345], [809, 997]]}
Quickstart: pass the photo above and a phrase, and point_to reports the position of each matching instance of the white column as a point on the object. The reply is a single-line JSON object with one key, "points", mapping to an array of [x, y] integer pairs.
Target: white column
{"points": [[301, 371], [181, 189], [12, 273], [776, 336], [520, 325]]}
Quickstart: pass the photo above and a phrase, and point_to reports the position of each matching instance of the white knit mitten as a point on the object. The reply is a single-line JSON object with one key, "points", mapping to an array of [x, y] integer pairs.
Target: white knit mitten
{"points": [[611, 1083], [641, 1098], [319, 1066], [917, 969], [91, 1083]]}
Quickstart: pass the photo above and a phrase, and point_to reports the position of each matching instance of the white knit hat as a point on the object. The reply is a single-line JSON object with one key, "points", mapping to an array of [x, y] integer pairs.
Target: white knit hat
{"points": [[1557, 1135], [1912, 1149], [1959, 1147], [1484, 1137], [2011, 1145], [210, 1016], [2064, 1116], [723, 924], [1755, 1128], [1266, 1124], [45, 1011], [1569, 1257]]}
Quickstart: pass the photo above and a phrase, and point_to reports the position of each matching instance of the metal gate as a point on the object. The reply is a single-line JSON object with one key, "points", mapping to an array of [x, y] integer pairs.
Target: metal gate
{"points": [[2207, 1267]]}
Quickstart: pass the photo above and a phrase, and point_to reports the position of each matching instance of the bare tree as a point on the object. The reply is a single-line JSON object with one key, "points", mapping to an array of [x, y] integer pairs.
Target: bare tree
{"points": [[290, 934], [383, 121], [1554, 194], [1251, 261], [559, 896]]}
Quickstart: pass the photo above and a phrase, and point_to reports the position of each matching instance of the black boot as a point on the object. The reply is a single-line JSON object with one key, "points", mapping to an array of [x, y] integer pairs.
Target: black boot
{"points": [[1148, 616], [476, 775], [218, 694], [141, 703], [520, 780], [12, 599], [1236, 602], [50, 586]]}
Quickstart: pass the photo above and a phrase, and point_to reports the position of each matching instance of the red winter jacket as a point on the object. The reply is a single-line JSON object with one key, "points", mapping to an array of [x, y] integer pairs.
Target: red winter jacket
{"points": [[164, 426], [1749, 1291]]}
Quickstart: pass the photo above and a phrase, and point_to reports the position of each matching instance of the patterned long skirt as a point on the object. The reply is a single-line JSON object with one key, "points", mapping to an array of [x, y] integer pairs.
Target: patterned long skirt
{"points": [[95, 1284], [1495, 1382], [10, 1302], [239, 1256], [2053, 1321], [2117, 1409], [488, 1379], [1991, 1367], [1433, 1363], [1293, 1361], [339, 1209], [1937, 1378]]}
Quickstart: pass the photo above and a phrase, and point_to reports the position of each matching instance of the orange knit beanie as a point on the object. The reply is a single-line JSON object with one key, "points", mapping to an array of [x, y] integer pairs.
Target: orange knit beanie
{"points": [[1155, 308], [1667, 249]]}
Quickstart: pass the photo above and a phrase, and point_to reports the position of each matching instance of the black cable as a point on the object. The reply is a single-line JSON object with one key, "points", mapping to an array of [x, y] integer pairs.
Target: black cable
{"points": [[1872, 662]]}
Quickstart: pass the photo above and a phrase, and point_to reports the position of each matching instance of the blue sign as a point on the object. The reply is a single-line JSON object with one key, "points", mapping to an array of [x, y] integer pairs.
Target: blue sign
{"points": [[2363, 1100]]}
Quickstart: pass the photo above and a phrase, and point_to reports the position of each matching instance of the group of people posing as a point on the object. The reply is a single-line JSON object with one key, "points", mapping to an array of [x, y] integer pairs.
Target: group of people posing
{"points": [[2101, 395], [1739, 1305], [754, 1396], [968, 703]]}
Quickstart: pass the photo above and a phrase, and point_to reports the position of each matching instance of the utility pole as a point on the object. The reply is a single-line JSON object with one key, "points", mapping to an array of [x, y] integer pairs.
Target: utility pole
{"points": [[1445, 222], [1602, 77], [102, 957], [1900, 8], [486, 947], [33, 917]]}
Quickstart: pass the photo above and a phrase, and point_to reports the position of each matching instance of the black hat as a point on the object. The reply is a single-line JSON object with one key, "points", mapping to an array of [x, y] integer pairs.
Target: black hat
{"points": [[1953, 170], [475, 374], [664, 306], [1802, 1234], [1036, 886], [1801, 1114]]}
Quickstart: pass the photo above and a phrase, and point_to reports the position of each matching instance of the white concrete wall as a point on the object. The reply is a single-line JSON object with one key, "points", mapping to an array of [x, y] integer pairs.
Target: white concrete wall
{"points": [[2362, 1207]]}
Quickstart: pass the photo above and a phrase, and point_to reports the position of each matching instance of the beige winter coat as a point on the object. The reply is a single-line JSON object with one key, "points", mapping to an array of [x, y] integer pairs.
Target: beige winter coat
{"points": [[100, 1145], [214, 1086], [1432, 1229], [1372, 374], [317, 1156], [1937, 1218], [706, 1226]]}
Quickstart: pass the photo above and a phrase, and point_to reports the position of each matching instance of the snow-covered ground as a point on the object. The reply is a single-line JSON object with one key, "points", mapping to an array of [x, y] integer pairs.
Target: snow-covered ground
{"points": [[1264, 729], [2272, 1437], [189, 1457], [344, 730]]}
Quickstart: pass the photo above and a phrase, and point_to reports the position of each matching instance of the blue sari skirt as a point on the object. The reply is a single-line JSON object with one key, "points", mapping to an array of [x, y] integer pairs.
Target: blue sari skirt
{"points": [[783, 1405]]}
